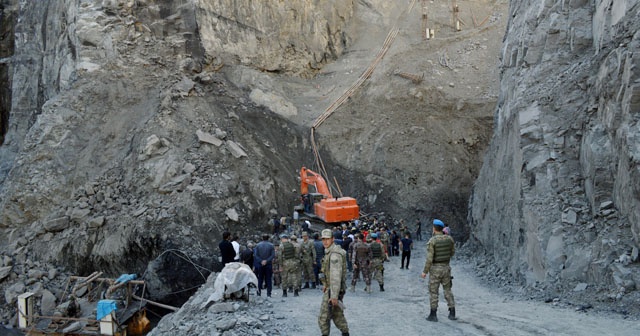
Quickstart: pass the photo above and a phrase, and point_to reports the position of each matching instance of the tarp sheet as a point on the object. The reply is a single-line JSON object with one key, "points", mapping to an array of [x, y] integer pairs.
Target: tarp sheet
{"points": [[105, 307], [233, 277]]}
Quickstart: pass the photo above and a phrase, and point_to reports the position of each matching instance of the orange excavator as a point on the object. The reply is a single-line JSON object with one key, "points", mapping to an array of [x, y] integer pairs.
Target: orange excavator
{"points": [[321, 203]]}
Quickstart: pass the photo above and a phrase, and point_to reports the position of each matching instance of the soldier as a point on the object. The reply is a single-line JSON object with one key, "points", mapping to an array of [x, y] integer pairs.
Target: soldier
{"points": [[317, 244], [277, 269], [308, 257], [384, 237], [440, 249], [334, 281], [289, 260], [297, 272], [361, 259], [378, 255]]}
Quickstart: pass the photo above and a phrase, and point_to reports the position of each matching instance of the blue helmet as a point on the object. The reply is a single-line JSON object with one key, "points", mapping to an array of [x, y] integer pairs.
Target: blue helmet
{"points": [[374, 235], [438, 222]]}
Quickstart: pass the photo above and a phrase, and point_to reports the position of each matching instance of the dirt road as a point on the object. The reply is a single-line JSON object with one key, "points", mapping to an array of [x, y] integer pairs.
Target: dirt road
{"points": [[402, 308]]}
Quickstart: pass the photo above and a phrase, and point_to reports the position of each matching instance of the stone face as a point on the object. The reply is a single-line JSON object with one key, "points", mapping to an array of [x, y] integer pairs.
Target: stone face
{"points": [[289, 36], [561, 153]]}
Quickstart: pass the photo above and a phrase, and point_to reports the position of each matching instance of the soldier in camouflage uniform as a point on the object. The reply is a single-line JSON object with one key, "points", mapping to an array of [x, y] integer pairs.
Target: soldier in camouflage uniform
{"points": [[334, 282], [385, 239], [440, 249], [297, 271], [289, 259], [378, 257], [308, 256], [361, 260], [277, 269]]}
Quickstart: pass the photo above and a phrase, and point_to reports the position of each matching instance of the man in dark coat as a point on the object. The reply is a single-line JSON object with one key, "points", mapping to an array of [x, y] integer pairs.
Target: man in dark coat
{"points": [[227, 251]]}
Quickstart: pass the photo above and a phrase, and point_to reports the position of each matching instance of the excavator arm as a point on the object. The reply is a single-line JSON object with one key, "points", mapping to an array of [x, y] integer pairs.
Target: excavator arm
{"points": [[309, 177], [328, 209]]}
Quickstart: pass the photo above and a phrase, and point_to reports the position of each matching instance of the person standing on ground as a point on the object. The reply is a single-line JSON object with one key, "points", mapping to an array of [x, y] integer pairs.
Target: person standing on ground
{"points": [[440, 249], [418, 230], [406, 245], [263, 256], [236, 247], [378, 255], [277, 267], [247, 255], [308, 258], [317, 244], [334, 279], [395, 243], [227, 251], [289, 259], [361, 261]]}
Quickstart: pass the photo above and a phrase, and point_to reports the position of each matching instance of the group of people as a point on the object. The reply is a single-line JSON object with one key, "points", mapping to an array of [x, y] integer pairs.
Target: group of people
{"points": [[358, 248]]}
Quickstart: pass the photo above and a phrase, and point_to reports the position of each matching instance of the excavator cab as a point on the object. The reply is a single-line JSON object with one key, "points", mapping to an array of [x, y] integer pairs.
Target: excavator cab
{"points": [[322, 204]]}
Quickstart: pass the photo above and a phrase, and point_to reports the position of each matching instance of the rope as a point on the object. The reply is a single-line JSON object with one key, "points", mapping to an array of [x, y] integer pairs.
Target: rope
{"points": [[393, 33]]}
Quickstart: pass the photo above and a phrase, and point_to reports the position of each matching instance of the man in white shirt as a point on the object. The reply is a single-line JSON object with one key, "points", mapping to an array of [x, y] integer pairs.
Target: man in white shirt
{"points": [[236, 247]]}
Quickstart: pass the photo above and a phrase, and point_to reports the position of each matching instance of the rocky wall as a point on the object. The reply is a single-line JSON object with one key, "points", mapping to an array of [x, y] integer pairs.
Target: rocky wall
{"points": [[42, 64], [277, 36], [558, 200]]}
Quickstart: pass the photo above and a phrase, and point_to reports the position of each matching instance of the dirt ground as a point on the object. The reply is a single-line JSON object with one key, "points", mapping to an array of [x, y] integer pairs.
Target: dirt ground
{"points": [[482, 310]]}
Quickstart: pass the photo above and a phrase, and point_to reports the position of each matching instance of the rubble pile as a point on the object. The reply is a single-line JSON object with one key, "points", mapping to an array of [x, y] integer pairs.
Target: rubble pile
{"points": [[226, 317]]}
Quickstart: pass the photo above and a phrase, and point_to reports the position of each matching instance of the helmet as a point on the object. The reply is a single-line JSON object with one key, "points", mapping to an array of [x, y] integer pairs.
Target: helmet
{"points": [[284, 235], [374, 235], [438, 222]]}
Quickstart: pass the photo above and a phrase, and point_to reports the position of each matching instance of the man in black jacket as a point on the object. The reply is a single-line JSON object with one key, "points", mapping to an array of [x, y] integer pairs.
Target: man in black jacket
{"points": [[227, 251]]}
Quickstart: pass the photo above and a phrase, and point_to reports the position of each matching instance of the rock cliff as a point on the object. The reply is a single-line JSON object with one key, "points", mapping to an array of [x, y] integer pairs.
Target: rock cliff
{"points": [[557, 201]]}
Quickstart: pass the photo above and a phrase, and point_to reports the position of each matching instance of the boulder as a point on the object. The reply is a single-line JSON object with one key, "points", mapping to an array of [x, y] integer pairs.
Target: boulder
{"points": [[57, 224], [4, 272]]}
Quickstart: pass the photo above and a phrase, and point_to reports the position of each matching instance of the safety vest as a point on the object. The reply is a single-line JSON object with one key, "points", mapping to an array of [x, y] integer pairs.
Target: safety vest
{"points": [[362, 251], [288, 250], [376, 250], [442, 249]]}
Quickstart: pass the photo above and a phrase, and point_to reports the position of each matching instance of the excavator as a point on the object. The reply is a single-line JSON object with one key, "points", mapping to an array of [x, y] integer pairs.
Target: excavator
{"points": [[321, 204]]}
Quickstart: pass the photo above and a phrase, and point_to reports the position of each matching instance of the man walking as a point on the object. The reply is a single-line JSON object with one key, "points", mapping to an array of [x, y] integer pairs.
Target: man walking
{"points": [[440, 249], [418, 230], [334, 279], [361, 262], [406, 244], [226, 248], [263, 262], [378, 255]]}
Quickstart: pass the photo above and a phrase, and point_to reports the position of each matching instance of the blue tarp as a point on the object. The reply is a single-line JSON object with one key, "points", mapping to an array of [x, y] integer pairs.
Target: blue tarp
{"points": [[105, 307], [125, 278]]}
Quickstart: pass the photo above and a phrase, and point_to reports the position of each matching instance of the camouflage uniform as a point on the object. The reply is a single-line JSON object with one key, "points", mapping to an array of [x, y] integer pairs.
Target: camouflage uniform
{"points": [[377, 266], [440, 249], [361, 262], [289, 258], [297, 266], [334, 281], [277, 275], [308, 257], [385, 239]]}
